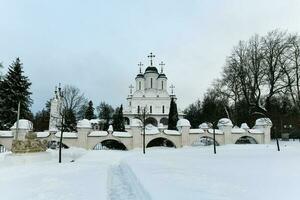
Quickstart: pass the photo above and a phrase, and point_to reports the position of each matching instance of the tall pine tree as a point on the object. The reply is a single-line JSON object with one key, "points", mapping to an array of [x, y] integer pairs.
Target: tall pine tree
{"points": [[173, 115], [89, 113], [14, 88]]}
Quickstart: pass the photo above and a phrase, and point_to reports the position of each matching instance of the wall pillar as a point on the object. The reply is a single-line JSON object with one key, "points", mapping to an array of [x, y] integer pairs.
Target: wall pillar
{"points": [[183, 126], [226, 125]]}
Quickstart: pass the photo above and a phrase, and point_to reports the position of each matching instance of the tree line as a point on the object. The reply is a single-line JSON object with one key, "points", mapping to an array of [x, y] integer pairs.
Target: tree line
{"points": [[261, 78]]}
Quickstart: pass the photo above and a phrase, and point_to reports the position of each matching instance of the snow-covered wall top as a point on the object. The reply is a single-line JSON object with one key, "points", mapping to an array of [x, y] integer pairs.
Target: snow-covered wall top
{"points": [[204, 126], [183, 122], [85, 123], [225, 122], [6, 134], [23, 124], [263, 122]]}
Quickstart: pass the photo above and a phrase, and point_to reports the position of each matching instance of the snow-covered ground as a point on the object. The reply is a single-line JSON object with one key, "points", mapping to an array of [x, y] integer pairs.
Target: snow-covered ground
{"points": [[235, 172]]}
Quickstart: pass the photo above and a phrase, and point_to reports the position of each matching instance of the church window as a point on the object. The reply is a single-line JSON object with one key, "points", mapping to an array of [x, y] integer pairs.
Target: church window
{"points": [[162, 85], [163, 109], [151, 80], [138, 110], [150, 109], [140, 85]]}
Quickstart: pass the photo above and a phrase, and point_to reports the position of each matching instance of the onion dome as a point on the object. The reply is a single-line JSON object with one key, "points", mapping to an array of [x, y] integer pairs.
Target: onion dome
{"points": [[139, 76], [151, 69], [162, 76]]}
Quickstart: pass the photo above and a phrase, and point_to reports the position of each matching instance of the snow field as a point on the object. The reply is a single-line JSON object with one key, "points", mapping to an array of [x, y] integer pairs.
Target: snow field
{"points": [[235, 172]]}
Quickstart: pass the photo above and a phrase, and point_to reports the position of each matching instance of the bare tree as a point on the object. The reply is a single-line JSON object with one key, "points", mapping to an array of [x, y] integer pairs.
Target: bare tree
{"points": [[73, 98], [275, 45], [292, 71]]}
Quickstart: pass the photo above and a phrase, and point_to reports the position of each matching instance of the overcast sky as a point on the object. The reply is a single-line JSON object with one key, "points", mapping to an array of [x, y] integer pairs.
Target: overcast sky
{"points": [[96, 45]]}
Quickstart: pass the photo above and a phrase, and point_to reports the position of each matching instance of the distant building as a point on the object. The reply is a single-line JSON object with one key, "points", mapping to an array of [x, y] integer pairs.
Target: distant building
{"points": [[151, 91]]}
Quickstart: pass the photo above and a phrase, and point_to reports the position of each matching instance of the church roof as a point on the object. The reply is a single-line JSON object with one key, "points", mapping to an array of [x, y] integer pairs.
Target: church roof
{"points": [[151, 69]]}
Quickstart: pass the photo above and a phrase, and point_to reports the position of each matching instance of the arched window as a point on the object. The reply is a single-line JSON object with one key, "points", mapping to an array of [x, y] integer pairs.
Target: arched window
{"points": [[140, 85], [150, 109], [163, 109], [151, 82], [138, 110]]}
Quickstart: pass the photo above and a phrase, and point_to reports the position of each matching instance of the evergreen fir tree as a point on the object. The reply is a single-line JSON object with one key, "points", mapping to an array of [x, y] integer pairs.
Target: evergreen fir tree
{"points": [[14, 88], [89, 113], [173, 116], [118, 120]]}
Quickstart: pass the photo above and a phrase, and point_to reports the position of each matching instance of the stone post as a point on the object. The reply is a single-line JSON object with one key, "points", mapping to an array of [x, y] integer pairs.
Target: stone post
{"points": [[265, 125], [183, 126], [226, 125], [84, 127], [136, 131]]}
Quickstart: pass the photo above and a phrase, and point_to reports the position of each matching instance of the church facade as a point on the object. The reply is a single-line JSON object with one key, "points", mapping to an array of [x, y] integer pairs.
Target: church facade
{"points": [[150, 94]]}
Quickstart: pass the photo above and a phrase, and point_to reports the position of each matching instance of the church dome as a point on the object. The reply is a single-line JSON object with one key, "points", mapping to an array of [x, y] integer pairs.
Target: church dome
{"points": [[162, 76], [151, 69], [140, 76]]}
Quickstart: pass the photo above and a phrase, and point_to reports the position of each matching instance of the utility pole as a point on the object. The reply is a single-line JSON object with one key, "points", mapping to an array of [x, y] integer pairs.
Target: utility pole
{"points": [[61, 136], [18, 118], [214, 137], [144, 130], [62, 113]]}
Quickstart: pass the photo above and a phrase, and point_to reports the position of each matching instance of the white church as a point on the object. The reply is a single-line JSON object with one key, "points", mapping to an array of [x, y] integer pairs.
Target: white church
{"points": [[151, 92]]}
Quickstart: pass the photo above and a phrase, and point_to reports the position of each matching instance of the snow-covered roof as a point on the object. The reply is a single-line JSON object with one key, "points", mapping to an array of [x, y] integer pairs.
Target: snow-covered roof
{"points": [[237, 130], [23, 124], [263, 122], [172, 132], [217, 131], [42, 134], [255, 131], [225, 122], [183, 122], [6, 134], [204, 126], [160, 125], [245, 126], [85, 123], [151, 130], [67, 134], [136, 122], [96, 121], [121, 134], [196, 131], [98, 134]]}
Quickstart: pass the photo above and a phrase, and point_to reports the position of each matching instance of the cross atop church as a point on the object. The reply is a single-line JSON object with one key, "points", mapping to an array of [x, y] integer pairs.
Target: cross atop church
{"points": [[140, 65], [172, 89], [131, 87], [151, 56], [162, 64]]}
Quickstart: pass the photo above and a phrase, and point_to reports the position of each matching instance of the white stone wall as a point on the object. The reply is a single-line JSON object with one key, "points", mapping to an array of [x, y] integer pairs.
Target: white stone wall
{"points": [[133, 138]]}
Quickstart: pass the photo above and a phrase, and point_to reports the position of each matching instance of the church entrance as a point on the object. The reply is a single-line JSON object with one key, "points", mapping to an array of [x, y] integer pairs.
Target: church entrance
{"points": [[161, 142], [152, 121]]}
